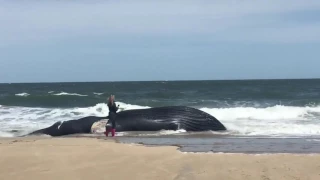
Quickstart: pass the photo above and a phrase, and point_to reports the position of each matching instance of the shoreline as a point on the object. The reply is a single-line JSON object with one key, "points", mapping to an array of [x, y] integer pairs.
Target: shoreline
{"points": [[207, 144], [222, 143], [117, 140], [233, 145]]}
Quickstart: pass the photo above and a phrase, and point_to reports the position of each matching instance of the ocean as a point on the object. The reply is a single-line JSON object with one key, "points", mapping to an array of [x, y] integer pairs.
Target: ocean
{"points": [[268, 108]]}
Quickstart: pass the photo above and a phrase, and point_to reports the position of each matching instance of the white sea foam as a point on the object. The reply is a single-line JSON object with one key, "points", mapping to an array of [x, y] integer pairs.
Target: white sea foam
{"points": [[22, 94], [25, 119], [275, 121], [6, 134], [163, 132], [68, 94], [172, 132]]}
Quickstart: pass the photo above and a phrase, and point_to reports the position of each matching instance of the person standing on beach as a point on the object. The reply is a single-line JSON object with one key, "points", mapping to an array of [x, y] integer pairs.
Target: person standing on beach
{"points": [[113, 108]]}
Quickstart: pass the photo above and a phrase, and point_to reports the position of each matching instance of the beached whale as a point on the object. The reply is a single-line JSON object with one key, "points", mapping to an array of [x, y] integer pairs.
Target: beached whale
{"points": [[151, 119]]}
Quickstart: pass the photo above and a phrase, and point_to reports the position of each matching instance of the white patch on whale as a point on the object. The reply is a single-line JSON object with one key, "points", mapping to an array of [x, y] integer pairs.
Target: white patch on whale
{"points": [[61, 122], [99, 126]]}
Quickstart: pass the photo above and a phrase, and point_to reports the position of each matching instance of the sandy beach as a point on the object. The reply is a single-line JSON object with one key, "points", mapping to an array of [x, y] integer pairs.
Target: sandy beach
{"points": [[90, 158]]}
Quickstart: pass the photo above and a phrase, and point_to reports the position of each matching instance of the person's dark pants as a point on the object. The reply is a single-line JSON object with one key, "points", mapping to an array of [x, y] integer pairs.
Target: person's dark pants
{"points": [[112, 117]]}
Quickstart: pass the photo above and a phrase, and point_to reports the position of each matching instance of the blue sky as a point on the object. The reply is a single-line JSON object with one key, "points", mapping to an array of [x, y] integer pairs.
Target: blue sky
{"points": [[120, 40]]}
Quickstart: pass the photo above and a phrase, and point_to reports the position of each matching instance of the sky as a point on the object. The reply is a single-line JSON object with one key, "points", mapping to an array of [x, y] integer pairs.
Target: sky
{"points": [[123, 40]]}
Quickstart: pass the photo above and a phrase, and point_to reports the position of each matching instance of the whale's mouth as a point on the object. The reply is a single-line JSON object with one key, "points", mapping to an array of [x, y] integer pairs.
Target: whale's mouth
{"points": [[99, 126]]}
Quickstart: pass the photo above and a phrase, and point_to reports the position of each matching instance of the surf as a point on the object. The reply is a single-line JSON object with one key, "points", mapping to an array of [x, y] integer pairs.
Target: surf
{"points": [[278, 120]]}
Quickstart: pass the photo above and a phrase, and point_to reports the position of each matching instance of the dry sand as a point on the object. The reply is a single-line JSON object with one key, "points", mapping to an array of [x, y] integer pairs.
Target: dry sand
{"points": [[90, 158]]}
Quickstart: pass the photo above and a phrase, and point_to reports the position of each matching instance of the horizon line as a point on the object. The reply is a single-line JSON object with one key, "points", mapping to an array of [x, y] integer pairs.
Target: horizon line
{"points": [[121, 81]]}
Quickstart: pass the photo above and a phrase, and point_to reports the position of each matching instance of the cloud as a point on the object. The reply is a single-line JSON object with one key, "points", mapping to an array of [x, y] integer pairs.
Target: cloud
{"points": [[292, 34], [259, 21]]}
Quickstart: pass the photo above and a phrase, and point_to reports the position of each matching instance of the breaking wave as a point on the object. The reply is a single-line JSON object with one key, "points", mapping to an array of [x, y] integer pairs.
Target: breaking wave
{"points": [[68, 94], [22, 94], [248, 121]]}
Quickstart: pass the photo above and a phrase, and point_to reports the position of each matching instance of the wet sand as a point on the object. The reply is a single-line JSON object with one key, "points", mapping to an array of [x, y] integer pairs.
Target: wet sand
{"points": [[91, 158], [231, 144]]}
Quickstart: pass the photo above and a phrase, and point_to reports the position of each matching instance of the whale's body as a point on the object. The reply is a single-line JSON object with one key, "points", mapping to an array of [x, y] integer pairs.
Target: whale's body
{"points": [[151, 119]]}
